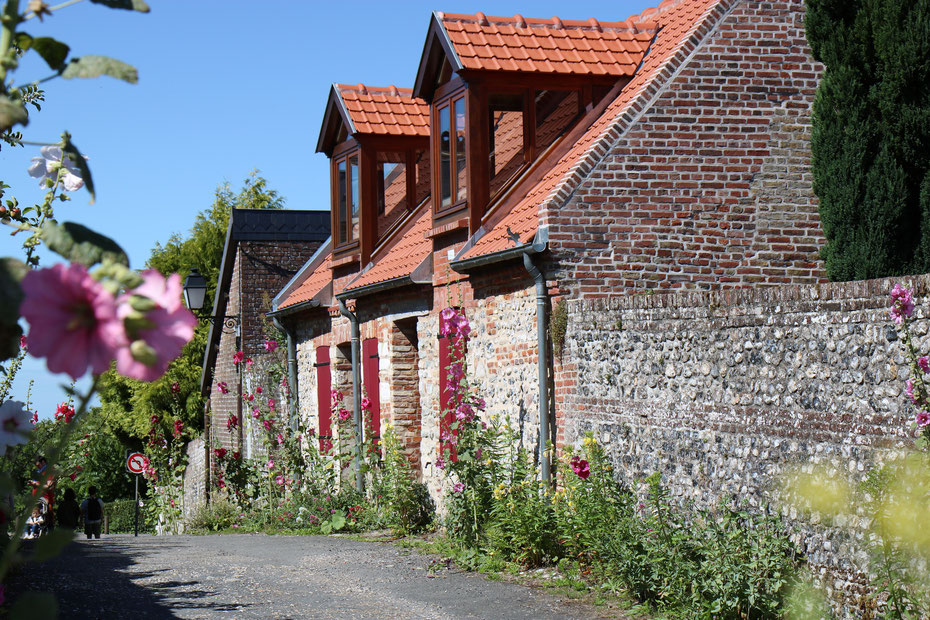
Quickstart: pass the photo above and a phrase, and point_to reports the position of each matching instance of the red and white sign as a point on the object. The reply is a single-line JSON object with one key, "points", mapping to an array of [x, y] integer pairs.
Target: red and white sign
{"points": [[136, 463]]}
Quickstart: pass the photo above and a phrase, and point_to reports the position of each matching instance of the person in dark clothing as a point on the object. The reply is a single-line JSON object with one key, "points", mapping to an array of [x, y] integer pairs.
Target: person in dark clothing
{"points": [[69, 512], [92, 510]]}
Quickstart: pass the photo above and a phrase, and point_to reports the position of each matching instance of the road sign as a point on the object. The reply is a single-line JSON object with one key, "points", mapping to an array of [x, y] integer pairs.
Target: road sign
{"points": [[136, 462]]}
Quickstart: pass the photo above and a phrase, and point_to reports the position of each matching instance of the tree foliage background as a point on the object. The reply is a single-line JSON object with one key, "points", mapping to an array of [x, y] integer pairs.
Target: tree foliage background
{"points": [[871, 135], [127, 404]]}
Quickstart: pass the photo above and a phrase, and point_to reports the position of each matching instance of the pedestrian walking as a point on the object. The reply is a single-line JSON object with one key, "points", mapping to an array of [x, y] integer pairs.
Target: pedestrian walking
{"points": [[69, 512], [92, 511]]}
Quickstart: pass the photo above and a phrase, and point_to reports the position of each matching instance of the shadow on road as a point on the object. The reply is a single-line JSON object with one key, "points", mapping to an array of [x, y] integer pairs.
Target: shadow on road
{"points": [[108, 578]]}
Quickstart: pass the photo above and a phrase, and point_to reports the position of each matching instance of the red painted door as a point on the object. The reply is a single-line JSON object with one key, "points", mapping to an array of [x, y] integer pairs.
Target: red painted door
{"points": [[372, 385], [324, 388]]}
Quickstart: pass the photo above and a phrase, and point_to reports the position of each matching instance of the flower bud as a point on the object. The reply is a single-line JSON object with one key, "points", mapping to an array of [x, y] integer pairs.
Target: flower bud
{"points": [[142, 304], [142, 352]]}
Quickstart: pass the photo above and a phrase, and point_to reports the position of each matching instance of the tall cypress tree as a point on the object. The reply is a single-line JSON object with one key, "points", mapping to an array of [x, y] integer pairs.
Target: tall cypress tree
{"points": [[871, 135]]}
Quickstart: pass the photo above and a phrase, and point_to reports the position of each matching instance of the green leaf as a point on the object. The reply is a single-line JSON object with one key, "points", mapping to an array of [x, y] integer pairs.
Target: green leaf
{"points": [[51, 544], [22, 40], [95, 66], [81, 244], [34, 605], [12, 271], [338, 521], [78, 160], [129, 5], [12, 112], [52, 52]]}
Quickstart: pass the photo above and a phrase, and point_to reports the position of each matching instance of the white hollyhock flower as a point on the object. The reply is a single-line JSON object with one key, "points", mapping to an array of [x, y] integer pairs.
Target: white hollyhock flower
{"points": [[15, 424], [48, 165]]}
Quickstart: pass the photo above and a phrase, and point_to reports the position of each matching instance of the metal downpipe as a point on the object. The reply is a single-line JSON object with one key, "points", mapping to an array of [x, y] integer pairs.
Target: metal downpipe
{"points": [[291, 372], [356, 395], [545, 470]]}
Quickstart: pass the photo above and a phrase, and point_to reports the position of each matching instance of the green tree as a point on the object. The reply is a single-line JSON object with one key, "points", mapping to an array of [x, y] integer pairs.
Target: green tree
{"points": [[871, 135], [129, 404]]}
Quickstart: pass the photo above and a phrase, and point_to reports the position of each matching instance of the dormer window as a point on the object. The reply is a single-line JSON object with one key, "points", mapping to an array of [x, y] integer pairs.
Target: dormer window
{"points": [[450, 144], [346, 197]]}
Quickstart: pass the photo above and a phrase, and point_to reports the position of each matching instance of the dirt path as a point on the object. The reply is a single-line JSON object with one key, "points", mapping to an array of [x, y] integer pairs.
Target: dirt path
{"points": [[258, 576]]}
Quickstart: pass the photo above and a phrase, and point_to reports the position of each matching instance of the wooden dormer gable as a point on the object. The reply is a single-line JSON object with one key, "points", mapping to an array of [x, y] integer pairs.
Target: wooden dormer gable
{"points": [[503, 91], [377, 140]]}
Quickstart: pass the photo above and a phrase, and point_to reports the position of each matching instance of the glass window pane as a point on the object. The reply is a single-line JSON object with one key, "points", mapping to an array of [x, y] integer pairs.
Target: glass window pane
{"points": [[555, 112], [392, 189], [507, 154], [445, 180], [460, 183], [353, 195], [341, 200]]}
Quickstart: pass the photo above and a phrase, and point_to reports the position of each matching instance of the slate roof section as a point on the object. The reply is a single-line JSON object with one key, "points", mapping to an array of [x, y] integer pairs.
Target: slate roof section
{"points": [[402, 254], [682, 25], [551, 46], [279, 225], [387, 111]]}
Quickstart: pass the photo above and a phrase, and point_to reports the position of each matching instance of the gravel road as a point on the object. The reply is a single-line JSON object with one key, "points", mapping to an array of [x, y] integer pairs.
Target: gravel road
{"points": [[259, 576]]}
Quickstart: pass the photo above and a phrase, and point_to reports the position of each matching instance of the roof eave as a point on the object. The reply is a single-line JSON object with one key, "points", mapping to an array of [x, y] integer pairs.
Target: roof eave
{"points": [[333, 103], [436, 33], [536, 246]]}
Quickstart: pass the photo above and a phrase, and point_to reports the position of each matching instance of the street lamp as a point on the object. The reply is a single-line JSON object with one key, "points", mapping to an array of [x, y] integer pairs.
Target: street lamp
{"points": [[195, 292]]}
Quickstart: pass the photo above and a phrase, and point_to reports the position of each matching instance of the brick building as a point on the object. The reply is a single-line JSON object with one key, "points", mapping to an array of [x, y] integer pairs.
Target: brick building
{"points": [[263, 250], [615, 170]]}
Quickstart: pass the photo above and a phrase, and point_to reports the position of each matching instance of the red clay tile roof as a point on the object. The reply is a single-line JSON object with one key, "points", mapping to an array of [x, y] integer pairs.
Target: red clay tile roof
{"points": [[683, 23], [387, 111], [403, 254], [547, 45], [315, 282]]}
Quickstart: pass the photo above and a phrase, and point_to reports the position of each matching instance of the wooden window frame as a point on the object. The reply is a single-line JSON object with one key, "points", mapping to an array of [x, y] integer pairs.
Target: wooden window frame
{"points": [[446, 99], [343, 153]]}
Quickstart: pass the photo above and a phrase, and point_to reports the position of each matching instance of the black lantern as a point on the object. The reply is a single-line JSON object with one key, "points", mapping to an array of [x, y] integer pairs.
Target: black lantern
{"points": [[195, 290]]}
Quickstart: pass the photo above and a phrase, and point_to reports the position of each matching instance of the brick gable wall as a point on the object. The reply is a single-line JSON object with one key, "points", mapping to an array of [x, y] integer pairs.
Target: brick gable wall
{"points": [[711, 186]]}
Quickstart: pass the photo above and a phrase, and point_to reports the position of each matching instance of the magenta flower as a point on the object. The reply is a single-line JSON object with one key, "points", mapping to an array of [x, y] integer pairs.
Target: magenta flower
{"points": [[73, 320], [178, 428], [344, 414], [258, 389], [279, 479], [924, 364], [65, 412], [280, 438], [232, 422], [902, 303], [580, 467], [222, 387], [440, 463], [447, 314], [271, 404], [267, 424], [172, 326], [909, 389], [922, 418], [366, 404], [238, 357], [271, 345], [256, 412], [270, 464], [458, 487], [461, 323]]}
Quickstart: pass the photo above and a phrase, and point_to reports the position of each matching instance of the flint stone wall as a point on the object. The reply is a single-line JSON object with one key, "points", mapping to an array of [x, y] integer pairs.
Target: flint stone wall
{"points": [[195, 478], [723, 392]]}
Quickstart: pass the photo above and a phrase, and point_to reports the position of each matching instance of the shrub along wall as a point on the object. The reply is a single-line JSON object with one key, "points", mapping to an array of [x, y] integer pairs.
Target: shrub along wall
{"points": [[721, 392]]}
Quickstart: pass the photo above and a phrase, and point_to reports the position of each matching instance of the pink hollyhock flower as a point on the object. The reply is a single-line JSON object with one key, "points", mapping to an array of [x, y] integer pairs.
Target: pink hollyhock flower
{"points": [[256, 412], [909, 389], [271, 404], [456, 371], [175, 388], [902, 303], [47, 167], [270, 464], [271, 345], [73, 320], [222, 485], [280, 438], [440, 463], [480, 404], [238, 357], [222, 387], [35, 417], [258, 389], [267, 424], [73, 476], [65, 412], [22, 342], [219, 452], [279, 479], [178, 428], [249, 397], [232, 422], [924, 364], [461, 323], [248, 361], [922, 418], [580, 467], [13, 424], [447, 314], [366, 404], [172, 326], [236, 455], [344, 414], [458, 487]]}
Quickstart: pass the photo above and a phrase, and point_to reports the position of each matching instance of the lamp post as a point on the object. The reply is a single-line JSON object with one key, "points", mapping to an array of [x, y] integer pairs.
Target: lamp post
{"points": [[195, 292]]}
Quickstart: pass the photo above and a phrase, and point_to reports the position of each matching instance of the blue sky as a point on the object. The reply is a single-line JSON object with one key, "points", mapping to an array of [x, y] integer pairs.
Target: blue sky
{"points": [[225, 87]]}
